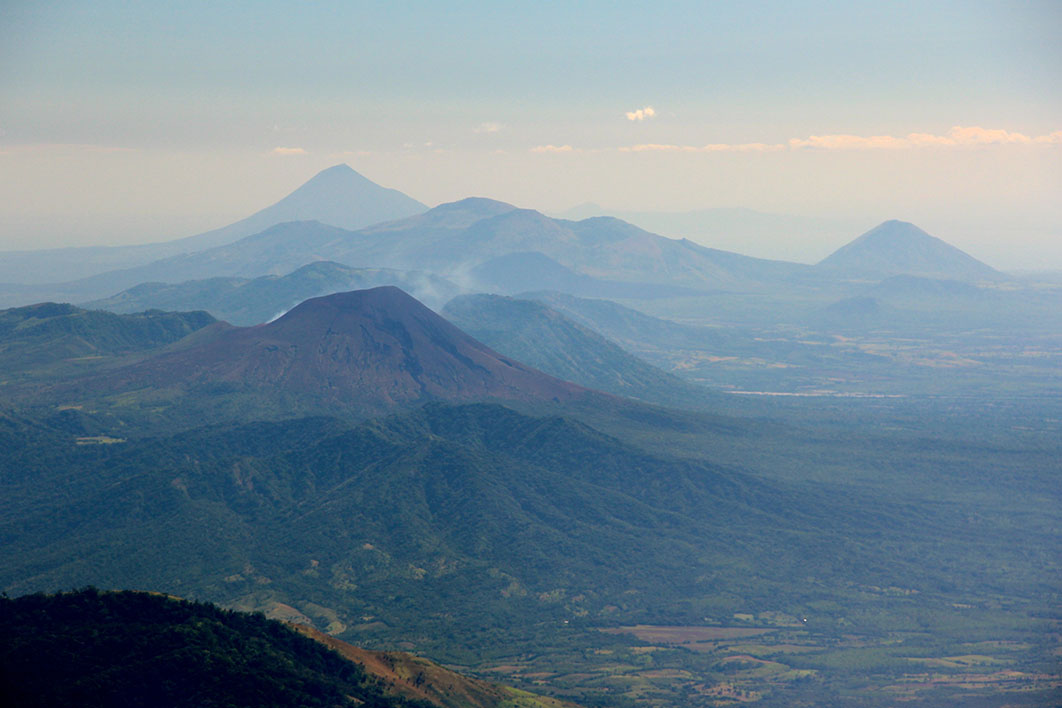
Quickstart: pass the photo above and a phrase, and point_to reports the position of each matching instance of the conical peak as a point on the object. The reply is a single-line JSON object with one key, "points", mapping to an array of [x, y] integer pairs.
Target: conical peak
{"points": [[387, 297]]}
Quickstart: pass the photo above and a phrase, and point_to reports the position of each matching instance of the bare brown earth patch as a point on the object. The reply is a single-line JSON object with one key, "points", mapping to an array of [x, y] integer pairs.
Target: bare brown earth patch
{"points": [[416, 678]]}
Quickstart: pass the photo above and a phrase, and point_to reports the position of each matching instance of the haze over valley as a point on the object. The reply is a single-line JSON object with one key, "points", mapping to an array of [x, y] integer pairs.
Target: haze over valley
{"points": [[316, 389]]}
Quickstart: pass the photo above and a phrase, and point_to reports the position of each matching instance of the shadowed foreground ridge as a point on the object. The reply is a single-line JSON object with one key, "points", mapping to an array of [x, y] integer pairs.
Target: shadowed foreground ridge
{"points": [[92, 648], [112, 649]]}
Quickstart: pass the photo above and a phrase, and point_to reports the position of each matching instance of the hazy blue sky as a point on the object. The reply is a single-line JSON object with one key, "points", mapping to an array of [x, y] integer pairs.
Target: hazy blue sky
{"points": [[124, 122]]}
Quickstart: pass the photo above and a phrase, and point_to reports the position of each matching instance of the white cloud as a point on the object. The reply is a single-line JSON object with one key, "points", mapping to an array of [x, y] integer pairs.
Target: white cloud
{"points": [[641, 113], [977, 135], [488, 127], [553, 148], [289, 151]]}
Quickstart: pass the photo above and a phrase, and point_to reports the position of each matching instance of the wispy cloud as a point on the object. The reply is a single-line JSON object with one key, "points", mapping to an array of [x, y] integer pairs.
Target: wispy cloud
{"points": [[289, 151], [641, 113], [958, 136], [553, 148], [489, 127]]}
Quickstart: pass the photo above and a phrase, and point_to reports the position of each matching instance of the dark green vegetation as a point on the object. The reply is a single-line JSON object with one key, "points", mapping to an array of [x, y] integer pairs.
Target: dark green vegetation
{"points": [[92, 648], [50, 338], [137, 649], [503, 543], [875, 520]]}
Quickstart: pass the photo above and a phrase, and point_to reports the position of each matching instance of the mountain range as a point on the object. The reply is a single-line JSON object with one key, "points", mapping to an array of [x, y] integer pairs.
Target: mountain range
{"points": [[338, 196], [496, 487], [476, 242], [246, 301], [364, 351], [362, 464]]}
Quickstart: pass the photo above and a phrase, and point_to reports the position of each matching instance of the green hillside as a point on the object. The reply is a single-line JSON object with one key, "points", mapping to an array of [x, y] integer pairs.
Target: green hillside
{"points": [[547, 340], [36, 337]]}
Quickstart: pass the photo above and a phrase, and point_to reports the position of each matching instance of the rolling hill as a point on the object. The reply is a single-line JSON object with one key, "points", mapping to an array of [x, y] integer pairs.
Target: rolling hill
{"points": [[38, 336], [549, 341]]}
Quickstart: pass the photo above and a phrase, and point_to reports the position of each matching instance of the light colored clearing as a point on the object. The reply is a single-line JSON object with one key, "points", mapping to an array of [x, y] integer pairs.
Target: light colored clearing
{"points": [[960, 662], [658, 634], [68, 407], [667, 674], [768, 649], [1008, 680], [99, 440], [287, 613]]}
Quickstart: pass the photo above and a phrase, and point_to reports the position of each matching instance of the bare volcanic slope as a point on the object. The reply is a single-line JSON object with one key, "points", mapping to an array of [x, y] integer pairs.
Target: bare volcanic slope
{"points": [[899, 248], [366, 349]]}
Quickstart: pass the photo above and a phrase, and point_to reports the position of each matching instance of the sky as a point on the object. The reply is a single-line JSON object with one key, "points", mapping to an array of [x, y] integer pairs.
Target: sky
{"points": [[133, 122]]}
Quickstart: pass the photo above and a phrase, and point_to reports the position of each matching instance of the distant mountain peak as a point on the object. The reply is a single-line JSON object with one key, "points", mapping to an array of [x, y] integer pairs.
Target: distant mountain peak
{"points": [[456, 215], [337, 196], [485, 203], [336, 173], [897, 247]]}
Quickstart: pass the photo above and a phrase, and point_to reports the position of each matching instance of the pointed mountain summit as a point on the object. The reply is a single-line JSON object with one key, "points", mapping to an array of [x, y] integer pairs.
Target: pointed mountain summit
{"points": [[367, 350], [900, 248], [337, 196]]}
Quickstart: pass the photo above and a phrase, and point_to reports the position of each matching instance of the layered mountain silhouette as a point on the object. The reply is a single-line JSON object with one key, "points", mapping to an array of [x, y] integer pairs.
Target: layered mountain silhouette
{"points": [[244, 301], [897, 247], [453, 239], [519, 272], [338, 196], [368, 350], [600, 247], [547, 340]]}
